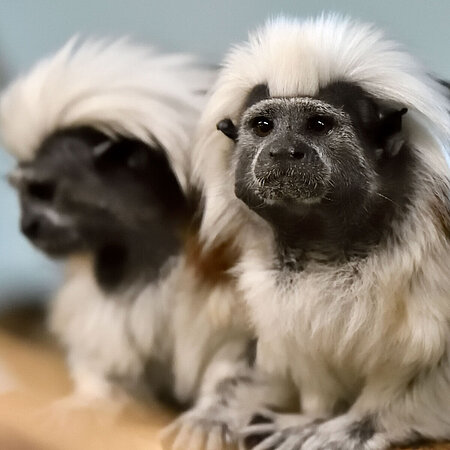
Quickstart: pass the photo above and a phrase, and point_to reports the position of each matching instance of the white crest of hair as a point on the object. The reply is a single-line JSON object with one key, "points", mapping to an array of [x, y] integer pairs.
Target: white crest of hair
{"points": [[296, 58], [121, 88]]}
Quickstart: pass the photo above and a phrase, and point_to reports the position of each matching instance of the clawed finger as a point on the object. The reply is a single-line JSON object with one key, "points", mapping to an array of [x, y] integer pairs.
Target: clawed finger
{"points": [[270, 443], [168, 435]]}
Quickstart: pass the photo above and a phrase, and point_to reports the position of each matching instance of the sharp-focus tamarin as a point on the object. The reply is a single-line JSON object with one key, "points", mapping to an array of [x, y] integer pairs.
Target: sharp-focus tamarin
{"points": [[102, 133], [329, 169]]}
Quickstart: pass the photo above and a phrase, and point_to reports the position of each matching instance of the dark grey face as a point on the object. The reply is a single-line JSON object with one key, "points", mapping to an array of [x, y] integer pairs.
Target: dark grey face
{"points": [[291, 151], [326, 172], [119, 200]]}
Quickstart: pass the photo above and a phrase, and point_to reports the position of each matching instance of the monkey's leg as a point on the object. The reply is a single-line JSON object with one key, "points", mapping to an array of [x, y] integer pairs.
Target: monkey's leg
{"points": [[391, 410], [231, 391], [319, 397]]}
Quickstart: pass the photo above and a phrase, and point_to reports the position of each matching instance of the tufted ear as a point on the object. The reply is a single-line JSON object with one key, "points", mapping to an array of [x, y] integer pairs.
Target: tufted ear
{"points": [[258, 93], [389, 135], [227, 127]]}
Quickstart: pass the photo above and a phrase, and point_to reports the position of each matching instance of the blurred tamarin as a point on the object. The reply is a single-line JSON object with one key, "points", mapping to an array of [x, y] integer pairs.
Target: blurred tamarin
{"points": [[102, 132]]}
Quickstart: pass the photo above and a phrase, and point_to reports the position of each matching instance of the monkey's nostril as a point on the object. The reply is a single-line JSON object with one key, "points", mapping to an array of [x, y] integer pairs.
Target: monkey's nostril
{"points": [[276, 152], [30, 228], [288, 153], [296, 154]]}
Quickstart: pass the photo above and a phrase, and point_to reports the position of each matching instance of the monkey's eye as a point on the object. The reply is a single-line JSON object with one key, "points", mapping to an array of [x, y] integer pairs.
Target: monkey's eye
{"points": [[112, 157], [319, 124], [41, 190], [138, 160], [121, 156], [261, 126]]}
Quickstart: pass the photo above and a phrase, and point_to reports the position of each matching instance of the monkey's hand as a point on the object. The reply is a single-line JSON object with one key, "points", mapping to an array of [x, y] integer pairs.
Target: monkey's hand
{"points": [[270, 430], [350, 431], [214, 423], [212, 428], [342, 433], [346, 432]]}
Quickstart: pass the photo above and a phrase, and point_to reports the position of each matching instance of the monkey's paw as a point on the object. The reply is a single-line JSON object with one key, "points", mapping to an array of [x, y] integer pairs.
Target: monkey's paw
{"points": [[199, 430], [268, 430], [347, 433], [281, 432]]}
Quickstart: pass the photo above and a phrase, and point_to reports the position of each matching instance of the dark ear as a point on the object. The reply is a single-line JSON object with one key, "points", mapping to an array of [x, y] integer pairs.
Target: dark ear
{"points": [[389, 132], [258, 93], [227, 127], [446, 84]]}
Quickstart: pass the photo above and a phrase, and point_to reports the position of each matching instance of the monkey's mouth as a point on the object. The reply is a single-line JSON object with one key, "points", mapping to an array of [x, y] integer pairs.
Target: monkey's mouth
{"points": [[62, 243], [289, 184]]}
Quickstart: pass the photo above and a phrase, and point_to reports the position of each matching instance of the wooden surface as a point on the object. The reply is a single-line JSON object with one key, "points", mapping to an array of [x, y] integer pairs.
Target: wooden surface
{"points": [[34, 414], [33, 386]]}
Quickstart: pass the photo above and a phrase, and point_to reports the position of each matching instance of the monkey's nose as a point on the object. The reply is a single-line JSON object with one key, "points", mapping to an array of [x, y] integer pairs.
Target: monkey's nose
{"points": [[15, 178], [298, 153], [30, 227]]}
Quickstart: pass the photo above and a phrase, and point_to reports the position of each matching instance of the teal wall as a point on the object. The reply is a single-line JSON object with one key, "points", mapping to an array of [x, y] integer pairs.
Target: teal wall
{"points": [[31, 29]]}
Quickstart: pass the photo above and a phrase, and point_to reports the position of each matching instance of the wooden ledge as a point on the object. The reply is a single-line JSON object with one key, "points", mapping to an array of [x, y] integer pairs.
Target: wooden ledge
{"points": [[33, 377]]}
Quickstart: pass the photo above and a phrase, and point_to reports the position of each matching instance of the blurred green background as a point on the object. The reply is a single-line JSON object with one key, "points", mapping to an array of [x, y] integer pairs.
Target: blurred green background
{"points": [[32, 29]]}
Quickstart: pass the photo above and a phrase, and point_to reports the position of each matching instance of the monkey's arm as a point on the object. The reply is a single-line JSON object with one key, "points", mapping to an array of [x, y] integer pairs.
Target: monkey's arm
{"points": [[231, 390], [80, 317], [388, 412]]}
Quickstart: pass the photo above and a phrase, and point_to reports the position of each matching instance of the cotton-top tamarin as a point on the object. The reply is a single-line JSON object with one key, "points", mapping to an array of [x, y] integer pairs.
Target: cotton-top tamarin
{"points": [[329, 169]]}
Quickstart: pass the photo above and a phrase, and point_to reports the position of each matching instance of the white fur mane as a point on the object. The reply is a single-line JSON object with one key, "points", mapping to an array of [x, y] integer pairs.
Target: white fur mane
{"points": [[118, 87]]}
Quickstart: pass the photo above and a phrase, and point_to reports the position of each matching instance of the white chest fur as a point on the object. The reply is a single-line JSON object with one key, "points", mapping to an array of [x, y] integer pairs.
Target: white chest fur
{"points": [[332, 328]]}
